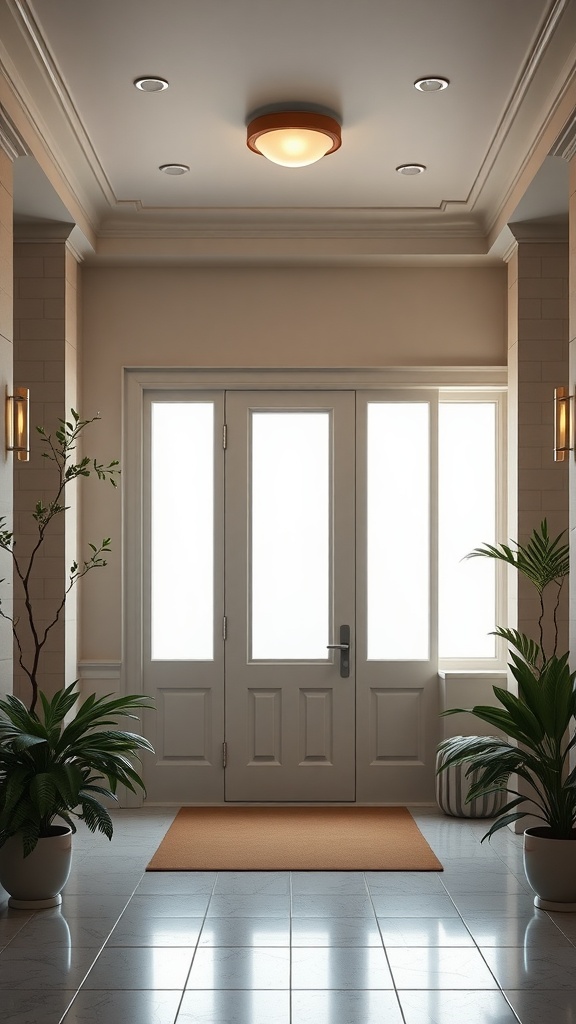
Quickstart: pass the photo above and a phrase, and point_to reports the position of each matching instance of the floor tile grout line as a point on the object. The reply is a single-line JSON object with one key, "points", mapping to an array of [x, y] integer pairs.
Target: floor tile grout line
{"points": [[401, 1008]]}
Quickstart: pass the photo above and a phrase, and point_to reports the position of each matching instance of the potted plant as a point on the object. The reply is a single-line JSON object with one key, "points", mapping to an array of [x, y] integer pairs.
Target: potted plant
{"points": [[56, 759], [539, 723]]}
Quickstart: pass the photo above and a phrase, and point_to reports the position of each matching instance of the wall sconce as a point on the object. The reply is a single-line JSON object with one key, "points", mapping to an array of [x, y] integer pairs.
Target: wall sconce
{"points": [[563, 424], [18, 423]]}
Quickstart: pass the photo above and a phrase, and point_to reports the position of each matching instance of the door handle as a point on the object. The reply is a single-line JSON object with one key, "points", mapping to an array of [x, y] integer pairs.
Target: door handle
{"points": [[344, 648]]}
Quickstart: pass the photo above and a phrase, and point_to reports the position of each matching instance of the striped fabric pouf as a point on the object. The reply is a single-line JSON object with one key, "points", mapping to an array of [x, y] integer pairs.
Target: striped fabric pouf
{"points": [[452, 788]]}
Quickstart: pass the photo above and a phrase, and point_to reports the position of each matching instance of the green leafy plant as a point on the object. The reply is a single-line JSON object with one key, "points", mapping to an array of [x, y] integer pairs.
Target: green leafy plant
{"points": [[30, 634], [540, 718], [50, 769]]}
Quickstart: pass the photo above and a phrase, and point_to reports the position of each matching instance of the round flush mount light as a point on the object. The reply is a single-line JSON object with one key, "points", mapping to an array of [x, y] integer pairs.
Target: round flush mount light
{"points": [[410, 170], [431, 84], [174, 169], [294, 138], [150, 84]]}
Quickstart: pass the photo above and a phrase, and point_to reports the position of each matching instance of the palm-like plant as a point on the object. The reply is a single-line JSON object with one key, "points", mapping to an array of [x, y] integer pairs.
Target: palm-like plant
{"points": [[540, 718], [49, 769]]}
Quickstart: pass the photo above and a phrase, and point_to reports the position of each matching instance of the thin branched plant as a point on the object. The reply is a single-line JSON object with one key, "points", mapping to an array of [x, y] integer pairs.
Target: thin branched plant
{"points": [[31, 632]]}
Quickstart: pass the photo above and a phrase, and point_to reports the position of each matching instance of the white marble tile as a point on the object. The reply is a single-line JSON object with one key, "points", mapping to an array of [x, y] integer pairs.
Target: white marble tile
{"points": [[240, 968], [454, 1007], [538, 1007], [249, 906], [329, 1006], [535, 929], [177, 883], [156, 931], [155, 967], [434, 905], [439, 967], [330, 905], [28, 1007], [346, 968], [252, 883], [44, 969], [335, 931], [56, 930], [424, 931], [168, 905], [505, 904], [329, 883], [406, 883], [127, 1007], [235, 1007], [531, 967], [242, 931]]}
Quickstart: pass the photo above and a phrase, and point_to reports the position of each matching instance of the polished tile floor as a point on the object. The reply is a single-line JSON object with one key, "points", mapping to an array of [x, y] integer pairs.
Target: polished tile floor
{"points": [[465, 946]]}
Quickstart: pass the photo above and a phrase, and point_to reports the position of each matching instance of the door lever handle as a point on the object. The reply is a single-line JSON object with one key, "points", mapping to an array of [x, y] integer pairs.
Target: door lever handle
{"points": [[344, 648]]}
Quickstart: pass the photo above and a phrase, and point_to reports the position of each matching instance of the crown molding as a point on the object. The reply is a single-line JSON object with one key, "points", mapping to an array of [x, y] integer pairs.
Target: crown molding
{"points": [[524, 83], [11, 140], [549, 229], [565, 146], [327, 222]]}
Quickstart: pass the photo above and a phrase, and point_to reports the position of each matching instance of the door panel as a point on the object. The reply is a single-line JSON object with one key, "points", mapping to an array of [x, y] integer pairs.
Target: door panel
{"points": [[396, 658], [183, 584], [290, 585]]}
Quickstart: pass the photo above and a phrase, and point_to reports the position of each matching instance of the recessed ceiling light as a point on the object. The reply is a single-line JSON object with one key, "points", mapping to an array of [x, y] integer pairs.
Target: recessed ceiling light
{"points": [[431, 84], [174, 169], [151, 84], [411, 169]]}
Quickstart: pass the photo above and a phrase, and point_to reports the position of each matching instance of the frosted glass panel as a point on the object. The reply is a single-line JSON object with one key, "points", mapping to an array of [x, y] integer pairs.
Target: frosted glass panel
{"points": [[398, 531], [290, 535], [182, 514], [467, 519]]}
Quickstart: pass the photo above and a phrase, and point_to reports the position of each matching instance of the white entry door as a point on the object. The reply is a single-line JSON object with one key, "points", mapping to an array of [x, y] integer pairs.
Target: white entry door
{"points": [[288, 595], [290, 689]]}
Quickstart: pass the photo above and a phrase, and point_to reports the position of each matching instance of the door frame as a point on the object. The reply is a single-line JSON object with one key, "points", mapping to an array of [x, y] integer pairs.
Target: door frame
{"points": [[138, 380]]}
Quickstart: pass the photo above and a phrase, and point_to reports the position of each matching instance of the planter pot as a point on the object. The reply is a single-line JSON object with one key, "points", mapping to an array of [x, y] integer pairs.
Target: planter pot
{"points": [[452, 788], [35, 882], [550, 866]]}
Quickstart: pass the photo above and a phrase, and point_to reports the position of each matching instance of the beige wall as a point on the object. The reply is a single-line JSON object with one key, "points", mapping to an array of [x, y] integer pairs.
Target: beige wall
{"points": [[273, 318], [6, 360]]}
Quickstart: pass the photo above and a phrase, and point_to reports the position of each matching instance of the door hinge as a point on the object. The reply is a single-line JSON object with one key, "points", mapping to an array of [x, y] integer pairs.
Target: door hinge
{"points": [[224, 754], [224, 627], [224, 436]]}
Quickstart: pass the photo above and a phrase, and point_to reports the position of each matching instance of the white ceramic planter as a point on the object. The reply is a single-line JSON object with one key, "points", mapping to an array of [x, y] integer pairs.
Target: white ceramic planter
{"points": [[550, 866], [36, 882]]}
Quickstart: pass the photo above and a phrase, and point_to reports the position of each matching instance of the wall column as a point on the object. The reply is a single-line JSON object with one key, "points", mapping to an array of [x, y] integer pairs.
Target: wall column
{"points": [[11, 146], [45, 360], [537, 363]]}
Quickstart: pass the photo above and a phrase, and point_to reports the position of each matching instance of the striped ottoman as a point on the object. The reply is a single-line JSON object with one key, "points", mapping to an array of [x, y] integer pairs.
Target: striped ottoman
{"points": [[452, 788]]}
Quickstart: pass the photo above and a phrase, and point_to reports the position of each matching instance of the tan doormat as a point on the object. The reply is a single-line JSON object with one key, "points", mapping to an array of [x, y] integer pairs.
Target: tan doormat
{"points": [[294, 839]]}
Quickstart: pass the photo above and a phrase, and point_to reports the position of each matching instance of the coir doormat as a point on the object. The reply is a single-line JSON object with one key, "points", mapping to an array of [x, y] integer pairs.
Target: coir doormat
{"points": [[294, 839]]}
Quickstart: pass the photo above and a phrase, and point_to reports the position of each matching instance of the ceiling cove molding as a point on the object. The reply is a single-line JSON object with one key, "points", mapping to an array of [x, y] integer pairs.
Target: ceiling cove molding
{"points": [[510, 114], [566, 143], [10, 139], [55, 84], [328, 222], [40, 145]]}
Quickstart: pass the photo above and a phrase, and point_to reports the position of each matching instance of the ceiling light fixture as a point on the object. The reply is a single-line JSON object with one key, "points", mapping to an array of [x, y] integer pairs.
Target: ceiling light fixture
{"points": [[410, 170], [294, 138], [174, 169], [431, 84], [150, 84]]}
